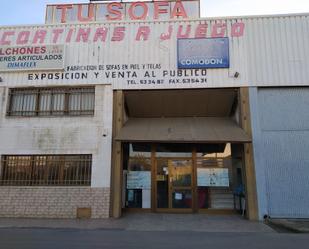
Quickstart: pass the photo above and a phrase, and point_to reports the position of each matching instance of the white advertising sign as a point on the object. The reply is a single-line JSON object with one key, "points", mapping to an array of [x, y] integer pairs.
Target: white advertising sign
{"points": [[30, 58], [213, 177], [139, 180], [143, 55], [125, 55]]}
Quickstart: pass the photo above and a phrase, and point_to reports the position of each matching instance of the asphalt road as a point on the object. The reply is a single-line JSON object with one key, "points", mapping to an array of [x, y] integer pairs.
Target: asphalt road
{"points": [[84, 239]]}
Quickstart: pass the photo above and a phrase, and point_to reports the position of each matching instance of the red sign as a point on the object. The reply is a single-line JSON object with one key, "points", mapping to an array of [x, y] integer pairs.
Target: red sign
{"points": [[118, 11], [118, 33]]}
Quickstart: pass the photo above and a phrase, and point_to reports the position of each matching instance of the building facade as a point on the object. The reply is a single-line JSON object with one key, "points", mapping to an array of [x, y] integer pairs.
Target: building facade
{"points": [[148, 107]]}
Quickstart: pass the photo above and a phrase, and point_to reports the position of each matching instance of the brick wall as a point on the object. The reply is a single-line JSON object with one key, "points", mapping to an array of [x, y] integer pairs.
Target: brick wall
{"points": [[53, 202]]}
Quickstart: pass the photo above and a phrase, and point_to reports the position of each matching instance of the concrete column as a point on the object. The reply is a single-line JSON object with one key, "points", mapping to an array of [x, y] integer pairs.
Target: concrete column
{"points": [[250, 178], [116, 181]]}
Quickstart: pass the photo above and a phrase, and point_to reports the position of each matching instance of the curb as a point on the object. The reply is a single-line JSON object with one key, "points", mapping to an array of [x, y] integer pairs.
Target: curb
{"points": [[289, 226]]}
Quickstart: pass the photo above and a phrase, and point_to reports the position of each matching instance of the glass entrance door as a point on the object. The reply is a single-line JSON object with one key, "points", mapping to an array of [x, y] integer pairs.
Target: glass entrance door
{"points": [[174, 183]]}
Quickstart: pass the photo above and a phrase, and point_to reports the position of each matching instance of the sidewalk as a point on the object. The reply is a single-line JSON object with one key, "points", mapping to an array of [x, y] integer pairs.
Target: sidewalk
{"points": [[293, 225], [148, 222]]}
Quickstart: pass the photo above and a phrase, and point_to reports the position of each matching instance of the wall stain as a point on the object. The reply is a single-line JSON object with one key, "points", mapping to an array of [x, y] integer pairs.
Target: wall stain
{"points": [[45, 138], [48, 138]]}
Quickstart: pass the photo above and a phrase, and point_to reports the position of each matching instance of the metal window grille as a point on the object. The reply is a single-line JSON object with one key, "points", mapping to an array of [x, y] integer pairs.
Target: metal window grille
{"points": [[63, 101], [43, 170]]}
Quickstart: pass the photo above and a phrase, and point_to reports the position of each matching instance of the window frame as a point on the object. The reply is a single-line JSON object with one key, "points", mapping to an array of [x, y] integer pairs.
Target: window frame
{"points": [[52, 91], [46, 170]]}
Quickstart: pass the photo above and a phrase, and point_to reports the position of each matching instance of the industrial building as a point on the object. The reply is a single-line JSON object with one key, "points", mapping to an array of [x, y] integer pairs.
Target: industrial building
{"points": [[147, 107]]}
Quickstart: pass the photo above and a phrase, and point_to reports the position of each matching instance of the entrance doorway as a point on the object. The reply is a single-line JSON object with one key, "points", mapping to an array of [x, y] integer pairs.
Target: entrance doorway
{"points": [[174, 184], [194, 124], [182, 178]]}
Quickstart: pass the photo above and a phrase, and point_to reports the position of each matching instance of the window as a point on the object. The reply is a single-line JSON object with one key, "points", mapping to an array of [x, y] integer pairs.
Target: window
{"points": [[51, 101], [42, 170]]}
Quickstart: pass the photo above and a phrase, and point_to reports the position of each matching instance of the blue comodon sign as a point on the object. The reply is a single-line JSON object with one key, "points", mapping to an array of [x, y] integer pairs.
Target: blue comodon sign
{"points": [[203, 53]]}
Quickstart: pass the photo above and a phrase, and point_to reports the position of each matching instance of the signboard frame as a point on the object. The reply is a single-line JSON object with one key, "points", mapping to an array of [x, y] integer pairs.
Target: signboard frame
{"points": [[225, 50], [60, 67]]}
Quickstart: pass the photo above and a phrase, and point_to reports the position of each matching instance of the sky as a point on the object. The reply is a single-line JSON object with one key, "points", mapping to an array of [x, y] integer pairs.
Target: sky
{"points": [[16, 12]]}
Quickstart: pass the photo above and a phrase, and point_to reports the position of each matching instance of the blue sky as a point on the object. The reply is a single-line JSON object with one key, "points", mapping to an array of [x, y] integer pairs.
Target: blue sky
{"points": [[14, 12]]}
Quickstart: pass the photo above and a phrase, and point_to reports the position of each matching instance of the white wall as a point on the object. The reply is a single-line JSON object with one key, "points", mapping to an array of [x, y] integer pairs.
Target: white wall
{"points": [[63, 135], [272, 51]]}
